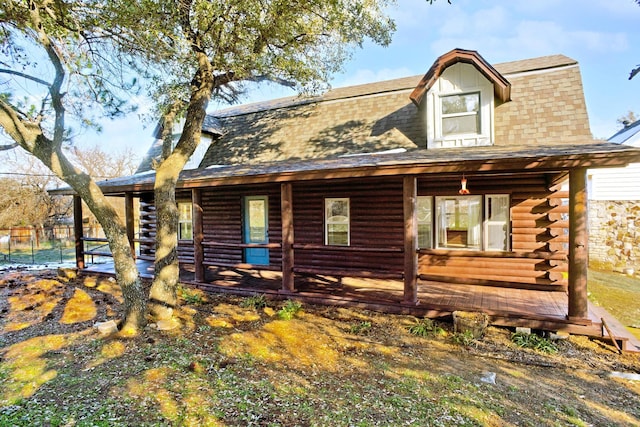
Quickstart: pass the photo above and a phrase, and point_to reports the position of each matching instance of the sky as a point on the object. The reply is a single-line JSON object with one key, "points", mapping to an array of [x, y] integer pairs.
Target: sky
{"points": [[602, 35]]}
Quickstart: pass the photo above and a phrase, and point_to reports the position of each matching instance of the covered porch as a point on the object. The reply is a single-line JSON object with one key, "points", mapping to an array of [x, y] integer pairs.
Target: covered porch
{"points": [[537, 281], [531, 308]]}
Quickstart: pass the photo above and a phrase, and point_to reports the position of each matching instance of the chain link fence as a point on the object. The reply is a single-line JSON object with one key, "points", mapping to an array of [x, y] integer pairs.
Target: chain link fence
{"points": [[40, 245]]}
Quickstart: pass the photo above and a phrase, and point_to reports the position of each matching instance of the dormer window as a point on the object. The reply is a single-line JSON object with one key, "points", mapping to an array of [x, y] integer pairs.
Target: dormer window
{"points": [[460, 114], [458, 95], [460, 109]]}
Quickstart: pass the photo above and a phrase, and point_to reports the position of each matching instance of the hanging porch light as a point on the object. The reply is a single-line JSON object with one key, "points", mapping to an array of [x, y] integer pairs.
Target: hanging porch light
{"points": [[463, 185]]}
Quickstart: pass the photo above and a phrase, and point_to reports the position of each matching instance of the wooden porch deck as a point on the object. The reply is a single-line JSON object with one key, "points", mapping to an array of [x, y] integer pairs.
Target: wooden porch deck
{"points": [[544, 310]]}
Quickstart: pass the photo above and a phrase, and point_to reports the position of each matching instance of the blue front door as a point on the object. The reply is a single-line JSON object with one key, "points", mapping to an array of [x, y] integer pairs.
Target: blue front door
{"points": [[256, 229]]}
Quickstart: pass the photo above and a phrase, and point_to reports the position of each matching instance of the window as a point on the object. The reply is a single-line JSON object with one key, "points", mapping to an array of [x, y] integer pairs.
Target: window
{"points": [[458, 222], [336, 216], [185, 221], [497, 222], [425, 221], [460, 114]]}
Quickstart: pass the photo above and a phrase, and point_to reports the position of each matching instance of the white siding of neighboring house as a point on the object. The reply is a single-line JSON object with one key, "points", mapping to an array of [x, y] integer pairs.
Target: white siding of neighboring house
{"points": [[615, 183], [614, 220], [618, 183]]}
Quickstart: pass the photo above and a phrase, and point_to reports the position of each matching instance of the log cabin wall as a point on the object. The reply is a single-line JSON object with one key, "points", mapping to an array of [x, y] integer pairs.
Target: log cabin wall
{"points": [[223, 220], [147, 237], [539, 236], [376, 228], [537, 260], [148, 230]]}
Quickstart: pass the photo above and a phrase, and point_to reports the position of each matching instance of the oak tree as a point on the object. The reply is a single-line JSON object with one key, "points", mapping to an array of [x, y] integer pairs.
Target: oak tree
{"points": [[198, 49], [57, 67]]}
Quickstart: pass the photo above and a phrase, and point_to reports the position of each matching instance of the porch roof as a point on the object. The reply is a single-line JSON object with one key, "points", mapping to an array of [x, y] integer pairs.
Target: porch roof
{"points": [[469, 160]]}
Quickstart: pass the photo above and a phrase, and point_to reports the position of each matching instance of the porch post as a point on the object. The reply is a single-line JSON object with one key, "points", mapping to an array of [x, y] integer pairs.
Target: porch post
{"points": [[286, 207], [409, 197], [128, 217], [198, 235], [77, 231], [578, 245]]}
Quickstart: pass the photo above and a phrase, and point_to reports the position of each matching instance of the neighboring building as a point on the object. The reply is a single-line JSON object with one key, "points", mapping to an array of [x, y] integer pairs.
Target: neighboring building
{"points": [[453, 178], [614, 211]]}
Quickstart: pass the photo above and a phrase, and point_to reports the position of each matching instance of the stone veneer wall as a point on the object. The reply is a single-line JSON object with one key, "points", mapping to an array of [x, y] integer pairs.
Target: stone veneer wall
{"points": [[614, 234]]}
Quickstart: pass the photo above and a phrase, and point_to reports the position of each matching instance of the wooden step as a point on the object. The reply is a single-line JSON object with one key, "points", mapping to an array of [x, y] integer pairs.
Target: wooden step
{"points": [[625, 339]]}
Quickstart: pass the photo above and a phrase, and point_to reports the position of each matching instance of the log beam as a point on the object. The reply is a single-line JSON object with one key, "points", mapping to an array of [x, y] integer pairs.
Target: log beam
{"points": [[286, 206], [578, 244], [77, 231], [198, 235], [129, 222], [410, 197]]}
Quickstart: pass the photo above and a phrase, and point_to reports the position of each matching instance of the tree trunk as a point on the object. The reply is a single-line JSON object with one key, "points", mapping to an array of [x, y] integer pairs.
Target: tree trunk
{"points": [[127, 274], [163, 294]]}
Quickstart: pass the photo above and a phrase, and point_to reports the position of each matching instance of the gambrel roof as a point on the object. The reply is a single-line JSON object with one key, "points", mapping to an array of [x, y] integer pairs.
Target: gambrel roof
{"points": [[545, 107]]}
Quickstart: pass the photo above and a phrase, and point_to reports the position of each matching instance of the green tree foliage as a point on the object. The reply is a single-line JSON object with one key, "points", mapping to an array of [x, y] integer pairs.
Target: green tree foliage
{"points": [[193, 50]]}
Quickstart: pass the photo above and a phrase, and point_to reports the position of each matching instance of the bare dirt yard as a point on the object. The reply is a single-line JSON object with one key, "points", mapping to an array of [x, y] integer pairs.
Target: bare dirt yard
{"points": [[251, 361]]}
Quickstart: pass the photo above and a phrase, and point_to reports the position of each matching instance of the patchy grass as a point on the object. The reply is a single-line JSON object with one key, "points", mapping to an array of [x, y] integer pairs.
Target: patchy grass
{"points": [[236, 362], [619, 295]]}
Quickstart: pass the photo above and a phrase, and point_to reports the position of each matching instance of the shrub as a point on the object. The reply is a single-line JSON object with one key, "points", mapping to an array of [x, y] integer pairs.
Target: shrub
{"points": [[254, 301], [190, 296], [362, 328], [463, 338], [289, 310], [534, 341], [425, 327]]}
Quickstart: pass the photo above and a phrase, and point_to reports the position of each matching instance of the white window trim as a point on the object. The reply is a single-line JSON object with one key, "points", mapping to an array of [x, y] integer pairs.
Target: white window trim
{"points": [[428, 221], [488, 223], [327, 221]]}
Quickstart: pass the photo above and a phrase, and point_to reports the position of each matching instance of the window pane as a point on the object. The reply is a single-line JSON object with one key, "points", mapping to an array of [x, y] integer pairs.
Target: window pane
{"points": [[458, 222], [461, 124], [337, 221], [337, 234], [337, 208], [185, 225], [184, 211], [425, 219], [257, 221], [455, 104], [185, 231], [497, 222]]}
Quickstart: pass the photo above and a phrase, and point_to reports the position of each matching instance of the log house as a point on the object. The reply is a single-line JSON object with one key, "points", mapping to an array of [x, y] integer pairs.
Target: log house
{"points": [[471, 175]]}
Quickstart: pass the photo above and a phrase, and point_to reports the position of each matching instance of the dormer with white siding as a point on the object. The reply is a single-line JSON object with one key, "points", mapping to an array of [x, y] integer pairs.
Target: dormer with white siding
{"points": [[458, 96]]}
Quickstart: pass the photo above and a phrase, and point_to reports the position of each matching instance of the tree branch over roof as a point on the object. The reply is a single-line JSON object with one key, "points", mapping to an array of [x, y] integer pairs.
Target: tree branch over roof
{"points": [[25, 76], [8, 147]]}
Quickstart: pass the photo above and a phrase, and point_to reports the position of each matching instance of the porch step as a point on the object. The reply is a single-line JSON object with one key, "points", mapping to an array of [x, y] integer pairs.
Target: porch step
{"points": [[626, 340]]}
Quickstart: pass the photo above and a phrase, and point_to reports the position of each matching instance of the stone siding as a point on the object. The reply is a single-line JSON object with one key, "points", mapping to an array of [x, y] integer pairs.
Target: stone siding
{"points": [[614, 235]]}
